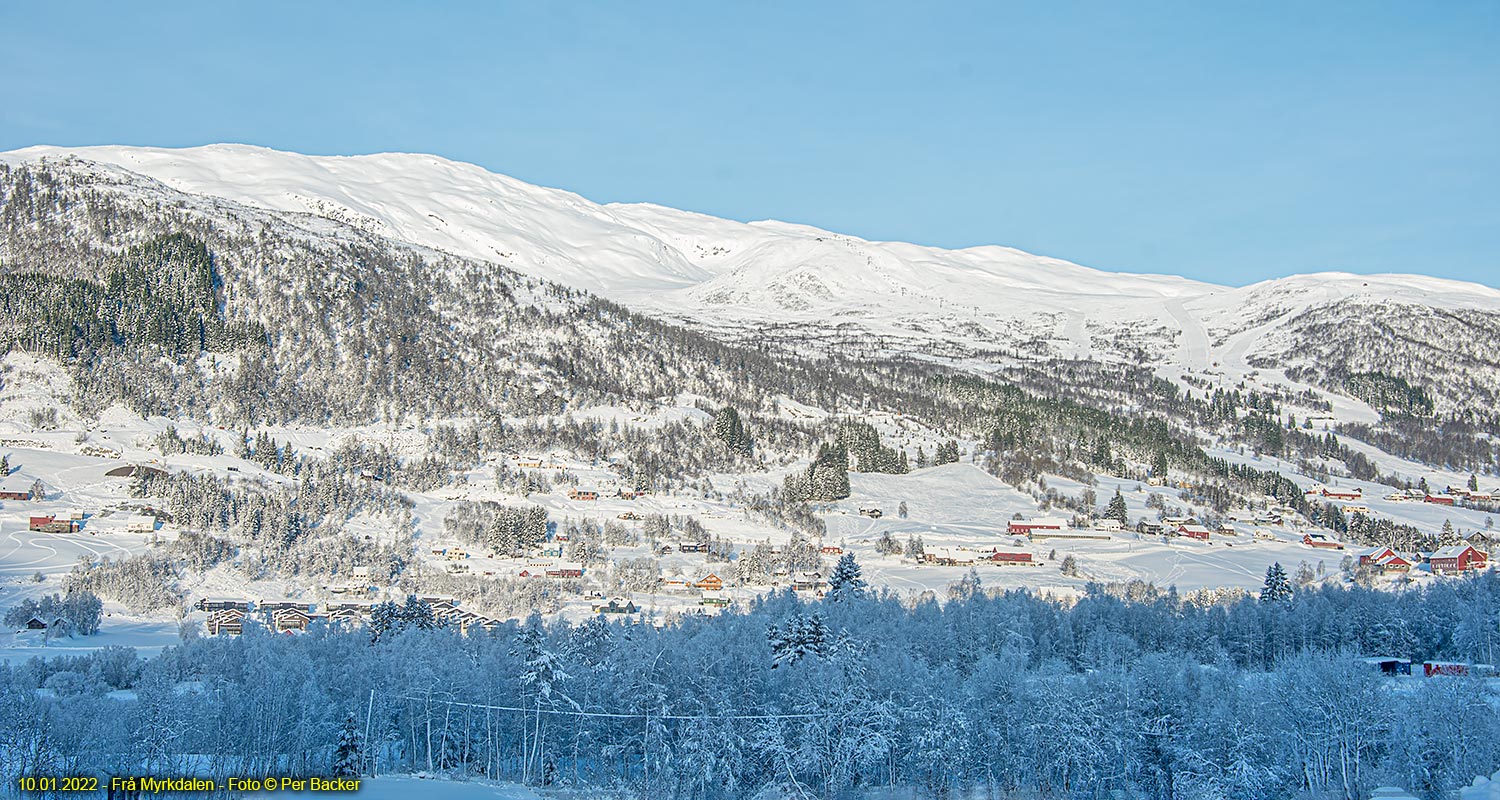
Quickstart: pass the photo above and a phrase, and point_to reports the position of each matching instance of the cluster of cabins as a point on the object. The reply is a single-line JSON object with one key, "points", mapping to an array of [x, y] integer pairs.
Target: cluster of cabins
{"points": [[1388, 665], [964, 557], [227, 616], [1449, 496], [73, 522], [1451, 560]]}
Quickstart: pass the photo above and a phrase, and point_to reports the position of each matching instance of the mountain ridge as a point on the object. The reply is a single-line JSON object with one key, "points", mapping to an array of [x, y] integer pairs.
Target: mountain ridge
{"points": [[804, 289]]}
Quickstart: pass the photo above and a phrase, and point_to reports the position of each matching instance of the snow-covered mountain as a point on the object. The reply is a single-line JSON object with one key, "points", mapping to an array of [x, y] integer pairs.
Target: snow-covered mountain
{"points": [[802, 286]]}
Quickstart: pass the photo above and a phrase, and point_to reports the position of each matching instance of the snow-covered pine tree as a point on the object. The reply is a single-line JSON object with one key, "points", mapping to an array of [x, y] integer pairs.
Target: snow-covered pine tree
{"points": [[384, 618], [1277, 587], [730, 429], [1117, 509], [347, 752], [417, 613], [845, 583], [801, 636]]}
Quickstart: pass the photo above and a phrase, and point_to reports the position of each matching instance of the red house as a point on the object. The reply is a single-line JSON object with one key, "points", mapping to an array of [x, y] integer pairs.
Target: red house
{"points": [[1374, 556], [1023, 527], [51, 524], [1010, 558], [1322, 540], [1394, 563], [1194, 532], [15, 488], [1457, 558], [1440, 499]]}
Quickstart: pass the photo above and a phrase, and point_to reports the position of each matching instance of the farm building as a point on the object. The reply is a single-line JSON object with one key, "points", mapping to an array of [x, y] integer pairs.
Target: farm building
{"points": [[582, 494], [831, 550], [948, 556], [1439, 499], [50, 524], [1069, 533], [1195, 532], [1456, 558], [1322, 540], [710, 583], [998, 557], [16, 487], [1026, 526], [131, 470], [692, 547], [565, 572], [1108, 525], [1343, 494], [872, 513]]}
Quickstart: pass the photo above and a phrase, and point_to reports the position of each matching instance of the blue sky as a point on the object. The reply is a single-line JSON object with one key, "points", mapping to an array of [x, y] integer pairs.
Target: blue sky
{"points": [[1229, 142]]}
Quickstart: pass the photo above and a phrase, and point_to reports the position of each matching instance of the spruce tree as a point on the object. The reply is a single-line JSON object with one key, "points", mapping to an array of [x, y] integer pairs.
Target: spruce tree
{"points": [[730, 430], [845, 583], [1277, 587], [346, 754], [1117, 509]]}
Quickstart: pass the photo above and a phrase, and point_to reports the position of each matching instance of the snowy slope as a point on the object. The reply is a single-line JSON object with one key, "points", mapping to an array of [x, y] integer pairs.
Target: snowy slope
{"points": [[977, 305]]}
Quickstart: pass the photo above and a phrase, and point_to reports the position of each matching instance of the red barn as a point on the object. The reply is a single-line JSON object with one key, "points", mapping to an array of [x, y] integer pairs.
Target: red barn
{"points": [[52, 524], [1453, 669], [1457, 558], [1343, 494], [1322, 540], [1010, 558], [1440, 499], [1194, 532], [15, 488], [1042, 524]]}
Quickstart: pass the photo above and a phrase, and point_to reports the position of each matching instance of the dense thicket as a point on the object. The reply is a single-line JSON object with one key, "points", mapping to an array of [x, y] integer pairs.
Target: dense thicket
{"points": [[1132, 693]]}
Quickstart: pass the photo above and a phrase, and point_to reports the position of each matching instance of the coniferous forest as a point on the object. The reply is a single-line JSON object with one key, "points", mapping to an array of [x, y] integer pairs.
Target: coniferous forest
{"points": [[1130, 692]]}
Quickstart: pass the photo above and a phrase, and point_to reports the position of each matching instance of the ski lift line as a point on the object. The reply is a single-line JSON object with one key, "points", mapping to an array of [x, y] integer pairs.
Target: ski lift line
{"points": [[607, 714]]}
